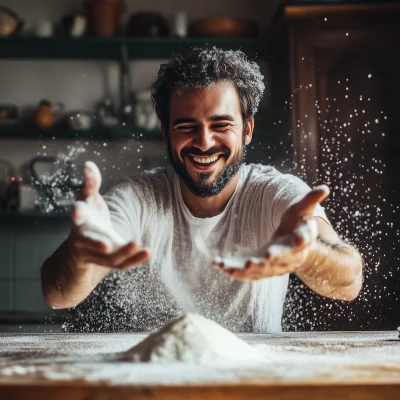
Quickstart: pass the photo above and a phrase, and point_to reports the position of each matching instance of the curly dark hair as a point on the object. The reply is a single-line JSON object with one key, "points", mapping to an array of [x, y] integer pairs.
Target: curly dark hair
{"points": [[203, 66]]}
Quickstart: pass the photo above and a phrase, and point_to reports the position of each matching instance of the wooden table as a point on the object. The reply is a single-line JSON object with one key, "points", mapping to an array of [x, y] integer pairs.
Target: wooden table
{"points": [[345, 365]]}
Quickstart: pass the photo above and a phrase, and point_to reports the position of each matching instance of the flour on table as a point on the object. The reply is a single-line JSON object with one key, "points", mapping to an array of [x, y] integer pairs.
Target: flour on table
{"points": [[192, 339]]}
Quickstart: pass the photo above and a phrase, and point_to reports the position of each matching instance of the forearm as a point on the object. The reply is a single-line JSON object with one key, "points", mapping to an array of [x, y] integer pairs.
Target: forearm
{"points": [[333, 270], [65, 283]]}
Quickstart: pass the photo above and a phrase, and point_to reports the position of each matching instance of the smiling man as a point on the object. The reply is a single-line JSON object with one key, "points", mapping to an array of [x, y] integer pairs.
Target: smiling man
{"points": [[178, 221]]}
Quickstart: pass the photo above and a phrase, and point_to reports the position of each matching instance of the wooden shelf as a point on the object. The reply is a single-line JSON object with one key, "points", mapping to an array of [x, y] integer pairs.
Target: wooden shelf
{"points": [[110, 48], [298, 9], [26, 132], [29, 216]]}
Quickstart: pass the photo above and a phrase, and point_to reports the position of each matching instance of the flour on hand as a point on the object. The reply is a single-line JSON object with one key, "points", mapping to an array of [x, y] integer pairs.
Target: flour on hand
{"points": [[94, 222], [193, 339], [276, 247], [101, 230], [240, 258]]}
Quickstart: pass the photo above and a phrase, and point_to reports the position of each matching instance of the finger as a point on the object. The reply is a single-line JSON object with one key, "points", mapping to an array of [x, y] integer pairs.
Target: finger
{"points": [[121, 255], [92, 179], [94, 257], [83, 242], [113, 261], [249, 268], [305, 233], [244, 275], [305, 207], [217, 264], [279, 249], [254, 265], [138, 258]]}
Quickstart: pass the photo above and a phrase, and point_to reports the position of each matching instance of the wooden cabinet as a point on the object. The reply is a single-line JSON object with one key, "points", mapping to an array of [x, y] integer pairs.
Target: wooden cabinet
{"points": [[24, 246], [338, 67]]}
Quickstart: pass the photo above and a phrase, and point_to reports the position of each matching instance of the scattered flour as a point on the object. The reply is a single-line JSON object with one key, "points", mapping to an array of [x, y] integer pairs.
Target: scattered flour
{"points": [[289, 358], [192, 338]]}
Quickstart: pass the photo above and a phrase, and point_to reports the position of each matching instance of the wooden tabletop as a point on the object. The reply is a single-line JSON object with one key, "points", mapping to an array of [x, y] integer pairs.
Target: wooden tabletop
{"points": [[345, 365]]}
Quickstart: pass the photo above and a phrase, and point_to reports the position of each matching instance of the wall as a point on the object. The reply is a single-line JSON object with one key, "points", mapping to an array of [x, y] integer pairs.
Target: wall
{"points": [[80, 84]]}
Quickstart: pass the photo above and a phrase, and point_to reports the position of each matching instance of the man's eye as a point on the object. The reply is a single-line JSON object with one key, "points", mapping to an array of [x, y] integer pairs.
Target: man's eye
{"points": [[220, 126], [185, 128]]}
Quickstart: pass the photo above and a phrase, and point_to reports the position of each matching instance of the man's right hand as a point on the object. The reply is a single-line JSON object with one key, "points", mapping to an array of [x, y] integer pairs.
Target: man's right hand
{"points": [[93, 239]]}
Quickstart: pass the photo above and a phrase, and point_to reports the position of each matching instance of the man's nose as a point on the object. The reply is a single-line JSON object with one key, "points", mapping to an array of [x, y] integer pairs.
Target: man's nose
{"points": [[204, 139]]}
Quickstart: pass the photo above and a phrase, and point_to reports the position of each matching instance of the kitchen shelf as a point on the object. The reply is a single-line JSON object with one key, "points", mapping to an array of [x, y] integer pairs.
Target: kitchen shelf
{"points": [[21, 317], [30, 216], [91, 47], [23, 132]]}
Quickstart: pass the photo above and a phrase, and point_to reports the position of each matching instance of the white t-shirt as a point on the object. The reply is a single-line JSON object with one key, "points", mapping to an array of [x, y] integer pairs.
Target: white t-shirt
{"points": [[179, 276]]}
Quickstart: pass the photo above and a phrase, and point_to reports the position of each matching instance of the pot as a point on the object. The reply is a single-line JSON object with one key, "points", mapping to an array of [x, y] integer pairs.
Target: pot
{"points": [[104, 16], [79, 120], [10, 23], [229, 27], [47, 113], [147, 24]]}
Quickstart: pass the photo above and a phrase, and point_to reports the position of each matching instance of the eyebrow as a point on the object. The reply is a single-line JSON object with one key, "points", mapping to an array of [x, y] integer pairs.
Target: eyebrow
{"points": [[225, 117]]}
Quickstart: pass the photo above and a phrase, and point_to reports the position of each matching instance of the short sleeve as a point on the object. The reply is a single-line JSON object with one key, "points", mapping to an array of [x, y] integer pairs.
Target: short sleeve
{"points": [[288, 190], [124, 208]]}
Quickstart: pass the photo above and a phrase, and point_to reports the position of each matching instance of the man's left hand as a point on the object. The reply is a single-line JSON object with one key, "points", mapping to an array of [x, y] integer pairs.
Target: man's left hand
{"points": [[289, 247]]}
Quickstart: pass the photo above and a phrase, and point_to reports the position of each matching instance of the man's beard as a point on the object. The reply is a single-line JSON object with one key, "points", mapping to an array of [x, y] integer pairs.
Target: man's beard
{"points": [[217, 186]]}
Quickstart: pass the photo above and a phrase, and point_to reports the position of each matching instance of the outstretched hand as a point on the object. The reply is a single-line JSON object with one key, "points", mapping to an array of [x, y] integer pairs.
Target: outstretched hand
{"points": [[290, 245]]}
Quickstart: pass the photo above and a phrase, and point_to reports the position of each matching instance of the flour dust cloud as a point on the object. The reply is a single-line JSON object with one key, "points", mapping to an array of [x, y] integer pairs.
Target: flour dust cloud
{"points": [[353, 160]]}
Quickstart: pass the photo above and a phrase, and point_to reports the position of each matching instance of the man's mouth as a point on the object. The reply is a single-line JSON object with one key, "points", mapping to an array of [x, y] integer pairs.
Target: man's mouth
{"points": [[204, 163]]}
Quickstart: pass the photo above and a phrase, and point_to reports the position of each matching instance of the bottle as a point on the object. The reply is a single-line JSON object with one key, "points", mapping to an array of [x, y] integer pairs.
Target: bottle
{"points": [[125, 112], [179, 25], [13, 197]]}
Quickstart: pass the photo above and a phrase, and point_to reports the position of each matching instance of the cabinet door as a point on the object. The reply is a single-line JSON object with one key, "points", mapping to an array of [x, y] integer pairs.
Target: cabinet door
{"points": [[6, 268], [33, 244], [6, 295], [6, 252], [345, 122], [357, 132], [28, 296]]}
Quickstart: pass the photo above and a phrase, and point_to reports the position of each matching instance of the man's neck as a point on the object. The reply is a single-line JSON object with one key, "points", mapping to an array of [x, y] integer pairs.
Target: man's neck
{"points": [[207, 207]]}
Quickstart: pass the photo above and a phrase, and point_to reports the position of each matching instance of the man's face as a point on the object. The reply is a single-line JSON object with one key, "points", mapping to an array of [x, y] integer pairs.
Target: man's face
{"points": [[206, 138]]}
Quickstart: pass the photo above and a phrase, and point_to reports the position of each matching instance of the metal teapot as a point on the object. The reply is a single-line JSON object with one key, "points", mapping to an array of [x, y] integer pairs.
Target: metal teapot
{"points": [[57, 182]]}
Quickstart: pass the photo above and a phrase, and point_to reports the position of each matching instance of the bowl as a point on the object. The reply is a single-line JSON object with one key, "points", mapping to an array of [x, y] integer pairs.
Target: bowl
{"points": [[228, 27]]}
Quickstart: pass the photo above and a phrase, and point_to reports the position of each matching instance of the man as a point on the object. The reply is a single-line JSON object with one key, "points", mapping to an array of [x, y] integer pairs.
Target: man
{"points": [[207, 204]]}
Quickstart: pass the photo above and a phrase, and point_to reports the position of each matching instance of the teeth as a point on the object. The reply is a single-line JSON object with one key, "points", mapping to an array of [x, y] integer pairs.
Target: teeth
{"points": [[203, 160]]}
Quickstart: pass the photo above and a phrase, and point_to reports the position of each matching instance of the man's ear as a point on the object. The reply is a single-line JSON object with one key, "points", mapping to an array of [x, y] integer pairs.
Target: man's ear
{"points": [[249, 131], [164, 134]]}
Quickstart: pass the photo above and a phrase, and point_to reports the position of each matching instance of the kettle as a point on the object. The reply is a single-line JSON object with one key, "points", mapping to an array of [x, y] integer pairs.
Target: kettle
{"points": [[54, 178]]}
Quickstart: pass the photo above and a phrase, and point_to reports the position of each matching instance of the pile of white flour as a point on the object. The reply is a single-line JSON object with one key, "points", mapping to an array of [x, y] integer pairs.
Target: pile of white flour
{"points": [[192, 338]]}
